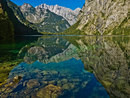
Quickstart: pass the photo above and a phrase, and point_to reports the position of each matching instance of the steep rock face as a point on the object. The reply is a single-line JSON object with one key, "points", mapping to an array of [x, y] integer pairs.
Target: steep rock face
{"points": [[105, 17], [68, 14], [31, 14], [43, 19]]}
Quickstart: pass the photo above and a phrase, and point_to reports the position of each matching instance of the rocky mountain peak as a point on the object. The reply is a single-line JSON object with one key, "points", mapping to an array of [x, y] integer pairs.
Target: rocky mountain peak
{"points": [[25, 8], [77, 10], [26, 5], [38, 19], [68, 14]]}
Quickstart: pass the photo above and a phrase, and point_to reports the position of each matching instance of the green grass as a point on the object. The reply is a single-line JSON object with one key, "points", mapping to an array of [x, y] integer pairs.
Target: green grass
{"points": [[73, 30]]}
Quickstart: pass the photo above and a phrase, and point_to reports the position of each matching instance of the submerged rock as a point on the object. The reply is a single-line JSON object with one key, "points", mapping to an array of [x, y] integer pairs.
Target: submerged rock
{"points": [[50, 91], [10, 86], [68, 86], [33, 83]]}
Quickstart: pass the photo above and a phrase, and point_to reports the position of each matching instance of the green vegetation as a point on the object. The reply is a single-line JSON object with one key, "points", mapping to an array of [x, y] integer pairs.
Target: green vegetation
{"points": [[73, 30], [106, 84], [124, 28], [70, 31], [6, 28]]}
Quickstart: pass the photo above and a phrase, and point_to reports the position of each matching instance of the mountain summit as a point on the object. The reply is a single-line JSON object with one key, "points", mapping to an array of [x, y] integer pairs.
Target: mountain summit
{"points": [[49, 18], [42, 20], [68, 14]]}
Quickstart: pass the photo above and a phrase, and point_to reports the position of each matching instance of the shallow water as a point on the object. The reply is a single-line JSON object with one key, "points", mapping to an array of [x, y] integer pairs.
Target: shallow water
{"points": [[68, 67]]}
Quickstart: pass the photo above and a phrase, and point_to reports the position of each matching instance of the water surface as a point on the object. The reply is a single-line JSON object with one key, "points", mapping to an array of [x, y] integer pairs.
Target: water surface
{"points": [[69, 67]]}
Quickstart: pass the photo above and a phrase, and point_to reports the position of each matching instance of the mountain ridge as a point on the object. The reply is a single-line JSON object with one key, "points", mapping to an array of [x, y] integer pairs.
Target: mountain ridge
{"points": [[50, 22], [69, 14]]}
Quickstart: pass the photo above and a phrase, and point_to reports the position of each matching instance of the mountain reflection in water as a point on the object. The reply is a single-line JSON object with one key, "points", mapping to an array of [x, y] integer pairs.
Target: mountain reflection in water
{"points": [[69, 67]]}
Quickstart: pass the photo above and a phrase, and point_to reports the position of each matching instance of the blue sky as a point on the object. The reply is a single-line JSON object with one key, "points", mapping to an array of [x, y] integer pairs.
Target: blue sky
{"points": [[66, 3]]}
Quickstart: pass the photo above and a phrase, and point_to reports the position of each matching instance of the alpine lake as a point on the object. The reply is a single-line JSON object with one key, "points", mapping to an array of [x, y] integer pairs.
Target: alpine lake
{"points": [[71, 66]]}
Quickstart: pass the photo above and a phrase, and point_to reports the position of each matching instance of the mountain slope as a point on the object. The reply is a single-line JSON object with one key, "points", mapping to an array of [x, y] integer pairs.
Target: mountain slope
{"points": [[43, 19], [106, 17], [19, 27], [68, 14]]}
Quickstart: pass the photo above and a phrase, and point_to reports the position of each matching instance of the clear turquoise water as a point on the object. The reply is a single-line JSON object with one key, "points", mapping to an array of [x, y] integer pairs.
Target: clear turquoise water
{"points": [[71, 70], [75, 67]]}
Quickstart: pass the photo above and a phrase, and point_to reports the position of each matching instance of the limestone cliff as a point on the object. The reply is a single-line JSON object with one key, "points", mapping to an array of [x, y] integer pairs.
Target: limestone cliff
{"points": [[104, 17]]}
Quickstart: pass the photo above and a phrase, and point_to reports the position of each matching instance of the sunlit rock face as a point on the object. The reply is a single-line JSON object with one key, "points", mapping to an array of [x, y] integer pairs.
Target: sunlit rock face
{"points": [[68, 14], [105, 17], [108, 58], [29, 13]]}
